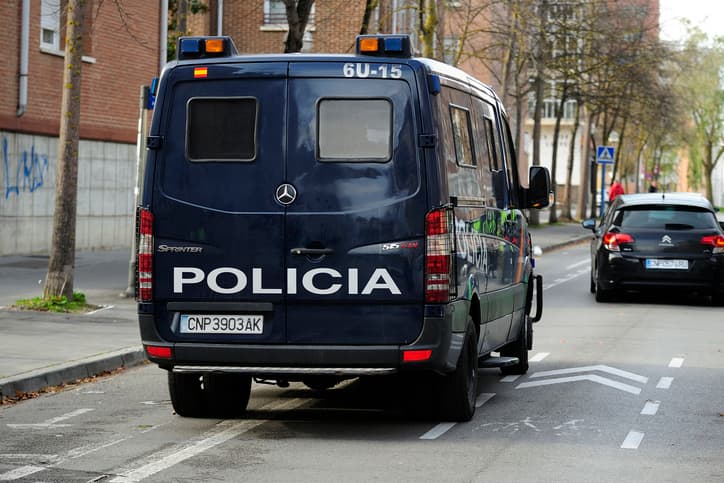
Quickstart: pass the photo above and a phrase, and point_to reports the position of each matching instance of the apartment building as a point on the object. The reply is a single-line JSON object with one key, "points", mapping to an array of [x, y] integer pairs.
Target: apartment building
{"points": [[120, 54]]}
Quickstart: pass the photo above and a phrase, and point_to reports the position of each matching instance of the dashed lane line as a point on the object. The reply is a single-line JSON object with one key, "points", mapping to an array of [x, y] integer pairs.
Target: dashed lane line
{"points": [[633, 440], [665, 383]]}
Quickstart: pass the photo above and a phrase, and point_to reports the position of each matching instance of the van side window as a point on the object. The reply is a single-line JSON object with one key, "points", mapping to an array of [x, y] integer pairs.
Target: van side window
{"points": [[221, 129], [462, 136], [354, 130], [493, 162]]}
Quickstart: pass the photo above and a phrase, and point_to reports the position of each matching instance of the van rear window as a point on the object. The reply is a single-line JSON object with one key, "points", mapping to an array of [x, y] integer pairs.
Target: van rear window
{"points": [[354, 130], [221, 129]]}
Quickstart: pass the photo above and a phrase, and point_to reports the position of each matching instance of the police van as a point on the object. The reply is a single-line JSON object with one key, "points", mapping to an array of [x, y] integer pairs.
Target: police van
{"points": [[318, 218]]}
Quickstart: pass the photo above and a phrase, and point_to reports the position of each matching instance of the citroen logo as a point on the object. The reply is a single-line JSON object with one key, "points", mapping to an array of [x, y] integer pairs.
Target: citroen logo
{"points": [[286, 194], [666, 239]]}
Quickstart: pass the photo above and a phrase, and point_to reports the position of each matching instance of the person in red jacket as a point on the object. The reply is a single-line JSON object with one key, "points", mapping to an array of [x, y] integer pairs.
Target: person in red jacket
{"points": [[615, 190]]}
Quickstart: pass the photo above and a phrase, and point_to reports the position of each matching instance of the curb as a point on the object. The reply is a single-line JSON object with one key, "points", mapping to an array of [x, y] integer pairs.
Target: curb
{"points": [[563, 244], [64, 373]]}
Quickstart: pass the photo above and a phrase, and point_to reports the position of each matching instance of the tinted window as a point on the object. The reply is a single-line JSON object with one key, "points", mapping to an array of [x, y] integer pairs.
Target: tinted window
{"points": [[221, 129], [355, 130], [665, 218], [462, 136]]}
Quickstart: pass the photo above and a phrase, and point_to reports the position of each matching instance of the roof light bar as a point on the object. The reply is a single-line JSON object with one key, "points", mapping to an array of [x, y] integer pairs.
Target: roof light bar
{"points": [[384, 45], [205, 47]]}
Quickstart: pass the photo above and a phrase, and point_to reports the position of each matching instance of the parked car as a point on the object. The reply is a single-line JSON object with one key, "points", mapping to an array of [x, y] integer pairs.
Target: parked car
{"points": [[657, 241]]}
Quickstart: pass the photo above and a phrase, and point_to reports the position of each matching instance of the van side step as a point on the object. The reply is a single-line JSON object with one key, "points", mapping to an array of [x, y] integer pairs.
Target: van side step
{"points": [[487, 362]]}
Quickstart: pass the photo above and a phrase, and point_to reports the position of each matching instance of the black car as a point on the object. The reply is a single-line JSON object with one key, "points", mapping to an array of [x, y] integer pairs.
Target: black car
{"points": [[658, 241]]}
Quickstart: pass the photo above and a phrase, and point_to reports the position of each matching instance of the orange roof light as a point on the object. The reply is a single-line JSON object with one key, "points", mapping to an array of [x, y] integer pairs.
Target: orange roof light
{"points": [[215, 46], [369, 44]]}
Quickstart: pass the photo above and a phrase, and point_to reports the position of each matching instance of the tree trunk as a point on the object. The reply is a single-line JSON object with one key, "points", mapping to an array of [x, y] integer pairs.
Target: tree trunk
{"points": [[370, 5], [567, 211], [59, 280], [297, 17], [584, 180], [537, 114]]}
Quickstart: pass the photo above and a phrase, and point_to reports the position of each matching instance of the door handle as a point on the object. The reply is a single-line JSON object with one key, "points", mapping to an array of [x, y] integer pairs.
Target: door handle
{"points": [[315, 252]]}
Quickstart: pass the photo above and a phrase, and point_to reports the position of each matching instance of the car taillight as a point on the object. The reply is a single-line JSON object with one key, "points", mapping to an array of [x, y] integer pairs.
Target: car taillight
{"points": [[438, 256], [144, 265], [613, 241], [716, 241]]}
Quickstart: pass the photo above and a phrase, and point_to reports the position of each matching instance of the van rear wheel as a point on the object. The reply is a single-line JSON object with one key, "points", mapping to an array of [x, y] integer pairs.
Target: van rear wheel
{"points": [[459, 389], [227, 395], [519, 349], [187, 395]]}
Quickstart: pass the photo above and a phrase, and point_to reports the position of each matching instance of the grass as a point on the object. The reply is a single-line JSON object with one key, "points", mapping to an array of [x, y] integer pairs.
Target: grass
{"points": [[56, 304]]}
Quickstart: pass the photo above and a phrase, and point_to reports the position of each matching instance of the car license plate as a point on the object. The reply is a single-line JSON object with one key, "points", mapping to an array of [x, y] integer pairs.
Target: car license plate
{"points": [[221, 324], [658, 263]]}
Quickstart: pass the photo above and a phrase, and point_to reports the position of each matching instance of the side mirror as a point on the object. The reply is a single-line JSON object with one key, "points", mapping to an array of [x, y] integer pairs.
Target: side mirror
{"points": [[589, 224], [538, 194]]}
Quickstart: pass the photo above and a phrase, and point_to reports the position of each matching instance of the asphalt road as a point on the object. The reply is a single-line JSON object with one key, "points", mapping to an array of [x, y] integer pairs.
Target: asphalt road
{"points": [[627, 391]]}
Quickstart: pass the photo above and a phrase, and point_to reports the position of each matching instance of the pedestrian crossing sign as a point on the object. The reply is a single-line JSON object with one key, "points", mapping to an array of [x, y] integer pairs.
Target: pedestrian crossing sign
{"points": [[604, 155]]}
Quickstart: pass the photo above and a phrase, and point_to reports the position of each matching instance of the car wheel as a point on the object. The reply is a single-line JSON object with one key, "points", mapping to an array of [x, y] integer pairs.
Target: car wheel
{"points": [[519, 349], [603, 295], [459, 389], [187, 395], [227, 395]]}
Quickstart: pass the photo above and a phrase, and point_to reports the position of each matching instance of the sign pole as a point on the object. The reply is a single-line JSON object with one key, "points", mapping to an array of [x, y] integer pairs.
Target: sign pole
{"points": [[603, 189]]}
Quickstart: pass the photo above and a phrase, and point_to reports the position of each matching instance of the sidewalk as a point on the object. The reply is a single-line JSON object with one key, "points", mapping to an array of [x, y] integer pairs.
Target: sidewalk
{"points": [[39, 350]]}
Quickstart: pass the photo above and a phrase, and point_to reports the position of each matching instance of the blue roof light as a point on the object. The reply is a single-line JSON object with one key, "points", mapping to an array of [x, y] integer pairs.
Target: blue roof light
{"points": [[190, 46], [393, 44]]}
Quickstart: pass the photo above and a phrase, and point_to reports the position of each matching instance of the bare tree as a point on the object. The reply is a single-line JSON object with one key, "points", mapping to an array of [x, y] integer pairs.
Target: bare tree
{"points": [[61, 266]]}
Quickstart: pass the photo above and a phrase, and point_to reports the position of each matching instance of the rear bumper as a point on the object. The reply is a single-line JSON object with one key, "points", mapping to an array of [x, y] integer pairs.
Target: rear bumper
{"points": [[287, 361], [620, 272]]}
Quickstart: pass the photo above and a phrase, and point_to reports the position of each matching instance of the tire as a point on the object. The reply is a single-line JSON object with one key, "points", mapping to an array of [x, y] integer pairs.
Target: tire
{"points": [[459, 389], [187, 395], [227, 395], [603, 295], [519, 349], [321, 383]]}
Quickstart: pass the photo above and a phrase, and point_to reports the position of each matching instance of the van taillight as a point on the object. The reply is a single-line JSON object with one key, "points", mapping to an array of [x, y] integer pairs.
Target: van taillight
{"points": [[716, 241], [438, 256], [612, 241], [144, 265]]}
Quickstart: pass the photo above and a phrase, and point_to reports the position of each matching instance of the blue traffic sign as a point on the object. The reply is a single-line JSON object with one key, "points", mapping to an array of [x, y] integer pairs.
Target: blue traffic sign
{"points": [[604, 154]]}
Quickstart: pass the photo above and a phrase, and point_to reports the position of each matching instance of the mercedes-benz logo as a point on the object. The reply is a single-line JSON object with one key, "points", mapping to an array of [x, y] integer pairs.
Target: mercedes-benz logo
{"points": [[286, 194]]}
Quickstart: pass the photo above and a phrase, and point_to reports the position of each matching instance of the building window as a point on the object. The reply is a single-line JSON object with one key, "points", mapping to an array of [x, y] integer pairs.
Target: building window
{"points": [[50, 24]]}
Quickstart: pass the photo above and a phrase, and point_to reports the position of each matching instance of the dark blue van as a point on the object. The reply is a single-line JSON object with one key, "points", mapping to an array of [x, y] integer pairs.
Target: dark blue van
{"points": [[317, 218]]}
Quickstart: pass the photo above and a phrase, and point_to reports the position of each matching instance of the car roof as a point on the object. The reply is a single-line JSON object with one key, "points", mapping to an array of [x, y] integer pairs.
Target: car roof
{"points": [[687, 199]]}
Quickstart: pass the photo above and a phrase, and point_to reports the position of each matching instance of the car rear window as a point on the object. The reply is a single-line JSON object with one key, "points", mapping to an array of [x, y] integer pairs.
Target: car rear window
{"points": [[355, 130], [665, 217], [221, 129]]}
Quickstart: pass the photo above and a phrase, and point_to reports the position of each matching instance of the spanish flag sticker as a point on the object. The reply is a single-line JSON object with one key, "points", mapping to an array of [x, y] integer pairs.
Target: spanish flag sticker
{"points": [[200, 72]]}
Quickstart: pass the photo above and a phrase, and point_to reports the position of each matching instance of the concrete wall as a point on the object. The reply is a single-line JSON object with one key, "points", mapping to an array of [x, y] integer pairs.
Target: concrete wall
{"points": [[106, 180]]}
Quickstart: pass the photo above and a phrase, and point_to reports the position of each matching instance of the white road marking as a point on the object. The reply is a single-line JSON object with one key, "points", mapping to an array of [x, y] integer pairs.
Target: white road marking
{"points": [[53, 422], [578, 264], [664, 383], [650, 408], [676, 362], [224, 431], [511, 378], [588, 377], [633, 440], [539, 357], [20, 472], [437, 431], [483, 398], [568, 278], [599, 367]]}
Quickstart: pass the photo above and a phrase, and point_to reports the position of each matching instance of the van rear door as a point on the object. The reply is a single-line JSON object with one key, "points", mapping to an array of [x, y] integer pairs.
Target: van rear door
{"points": [[218, 229], [355, 232]]}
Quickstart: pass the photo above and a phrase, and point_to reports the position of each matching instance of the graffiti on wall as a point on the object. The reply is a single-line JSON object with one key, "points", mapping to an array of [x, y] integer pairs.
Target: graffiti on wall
{"points": [[26, 173]]}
